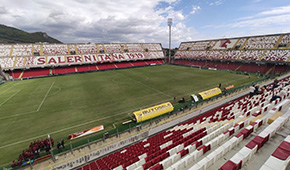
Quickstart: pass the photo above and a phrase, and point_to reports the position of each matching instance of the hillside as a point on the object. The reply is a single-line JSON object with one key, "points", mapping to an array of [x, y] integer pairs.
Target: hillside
{"points": [[14, 35]]}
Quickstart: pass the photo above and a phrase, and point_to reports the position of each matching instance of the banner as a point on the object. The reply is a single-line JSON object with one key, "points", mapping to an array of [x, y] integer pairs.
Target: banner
{"points": [[58, 60], [86, 132], [152, 112], [210, 93]]}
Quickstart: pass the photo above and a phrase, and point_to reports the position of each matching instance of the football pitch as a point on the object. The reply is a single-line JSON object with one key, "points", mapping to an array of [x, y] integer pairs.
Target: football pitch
{"points": [[61, 105]]}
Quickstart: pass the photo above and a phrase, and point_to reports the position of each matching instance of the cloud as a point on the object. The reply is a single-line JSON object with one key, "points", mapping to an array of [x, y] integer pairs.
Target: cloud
{"points": [[279, 16], [276, 11], [219, 2], [3, 10], [78, 21], [195, 9]]}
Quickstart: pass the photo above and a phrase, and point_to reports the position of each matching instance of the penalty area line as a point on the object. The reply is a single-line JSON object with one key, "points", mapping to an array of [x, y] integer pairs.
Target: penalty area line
{"points": [[44, 97], [9, 98]]}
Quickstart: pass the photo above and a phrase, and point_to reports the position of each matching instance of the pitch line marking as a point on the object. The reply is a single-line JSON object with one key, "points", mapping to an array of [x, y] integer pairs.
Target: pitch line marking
{"points": [[57, 131], [7, 89], [45, 97], [9, 98], [18, 115], [149, 87]]}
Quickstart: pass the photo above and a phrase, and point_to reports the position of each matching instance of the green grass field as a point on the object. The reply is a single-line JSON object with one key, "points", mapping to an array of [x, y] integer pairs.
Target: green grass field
{"points": [[31, 109]]}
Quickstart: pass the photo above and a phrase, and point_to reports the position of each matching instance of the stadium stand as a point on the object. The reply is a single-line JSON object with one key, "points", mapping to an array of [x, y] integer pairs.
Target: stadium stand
{"points": [[22, 50], [19, 58], [86, 49], [55, 49], [255, 50], [5, 50]]}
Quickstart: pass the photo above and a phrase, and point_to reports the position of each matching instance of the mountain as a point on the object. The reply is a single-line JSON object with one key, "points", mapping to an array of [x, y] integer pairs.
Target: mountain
{"points": [[14, 35]]}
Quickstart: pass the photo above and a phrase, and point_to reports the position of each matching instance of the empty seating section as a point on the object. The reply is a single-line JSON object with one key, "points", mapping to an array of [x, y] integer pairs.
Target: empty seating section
{"points": [[36, 49], [55, 49], [263, 68], [22, 50], [285, 39], [241, 43], [262, 42], [201, 45], [87, 48], [123, 65], [216, 54], [15, 73], [134, 47], [139, 63], [185, 46], [276, 55], [257, 48], [200, 142], [106, 66], [63, 70], [153, 55], [83, 68], [35, 73], [5, 50], [149, 47], [113, 48], [203, 54], [232, 55], [65, 49], [251, 55], [280, 158]]}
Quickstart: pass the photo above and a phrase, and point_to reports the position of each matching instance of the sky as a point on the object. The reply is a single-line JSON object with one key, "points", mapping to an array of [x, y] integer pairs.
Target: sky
{"points": [[145, 21]]}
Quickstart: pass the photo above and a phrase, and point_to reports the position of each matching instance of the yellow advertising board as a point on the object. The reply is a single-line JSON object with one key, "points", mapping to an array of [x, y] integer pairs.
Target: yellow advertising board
{"points": [[210, 93], [152, 112]]}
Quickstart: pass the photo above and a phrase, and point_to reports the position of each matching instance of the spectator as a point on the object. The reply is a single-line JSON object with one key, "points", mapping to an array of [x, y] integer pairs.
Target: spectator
{"points": [[256, 91], [62, 143], [58, 147], [13, 165], [280, 95], [275, 84], [252, 90], [262, 90], [51, 140]]}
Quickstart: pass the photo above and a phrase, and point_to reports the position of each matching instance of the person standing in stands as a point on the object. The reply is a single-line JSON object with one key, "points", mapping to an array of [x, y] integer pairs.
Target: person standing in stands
{"points": [[280, 95], [275, 84], [252, 91]]}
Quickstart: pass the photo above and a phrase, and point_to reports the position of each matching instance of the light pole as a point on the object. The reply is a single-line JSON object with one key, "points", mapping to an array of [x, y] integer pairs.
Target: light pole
{"points": [[169, 22]]}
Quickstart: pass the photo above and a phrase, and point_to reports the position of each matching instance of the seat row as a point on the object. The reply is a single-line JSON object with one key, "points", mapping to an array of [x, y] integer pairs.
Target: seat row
{"points": [[63, 49], [40, 72]]}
